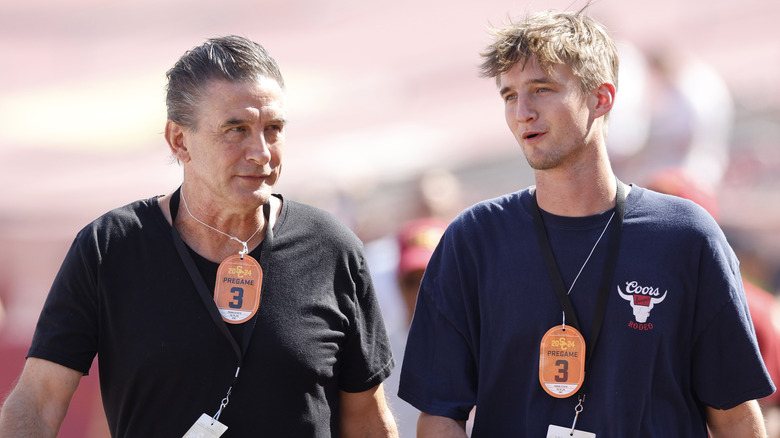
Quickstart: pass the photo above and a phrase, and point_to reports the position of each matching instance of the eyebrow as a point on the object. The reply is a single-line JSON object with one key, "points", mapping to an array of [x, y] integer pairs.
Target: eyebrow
{"points": [[237, 121], [536, 81]]}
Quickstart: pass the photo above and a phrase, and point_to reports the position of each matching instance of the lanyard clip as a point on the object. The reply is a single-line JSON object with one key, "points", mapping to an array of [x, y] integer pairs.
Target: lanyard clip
{"points": [[244, 251], [577, 410]]}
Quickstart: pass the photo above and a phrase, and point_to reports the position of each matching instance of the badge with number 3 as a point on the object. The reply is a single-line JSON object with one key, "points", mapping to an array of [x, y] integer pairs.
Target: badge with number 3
{"points": [[562, 361], [237, 290]]}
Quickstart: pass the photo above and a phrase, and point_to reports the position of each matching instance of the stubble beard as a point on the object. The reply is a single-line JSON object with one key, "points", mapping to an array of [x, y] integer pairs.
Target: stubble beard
{"points": [[547, 161]]}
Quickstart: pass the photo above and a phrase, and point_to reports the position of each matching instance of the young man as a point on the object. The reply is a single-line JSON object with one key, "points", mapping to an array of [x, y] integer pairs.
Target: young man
{"points": [[580, 306], [221, 304]]}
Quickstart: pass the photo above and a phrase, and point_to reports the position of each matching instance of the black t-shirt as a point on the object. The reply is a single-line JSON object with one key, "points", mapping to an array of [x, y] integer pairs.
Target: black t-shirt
{"points": [[123, 292]]}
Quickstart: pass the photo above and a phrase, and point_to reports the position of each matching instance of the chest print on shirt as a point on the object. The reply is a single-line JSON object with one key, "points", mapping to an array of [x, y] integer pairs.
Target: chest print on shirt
{"points": [[642, 300]]}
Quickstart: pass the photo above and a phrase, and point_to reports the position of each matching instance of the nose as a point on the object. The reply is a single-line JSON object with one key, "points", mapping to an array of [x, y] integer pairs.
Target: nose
{"points": [[258, 150], [524, 110]]}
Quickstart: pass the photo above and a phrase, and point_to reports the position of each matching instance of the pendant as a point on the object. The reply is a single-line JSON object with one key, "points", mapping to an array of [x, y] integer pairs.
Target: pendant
{"points": [[562, 361], [237, 290]]}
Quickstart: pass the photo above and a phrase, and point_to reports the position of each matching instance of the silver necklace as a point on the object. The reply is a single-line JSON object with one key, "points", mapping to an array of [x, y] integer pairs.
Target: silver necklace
{"points": [[586, 260], [591, 251], [245, 249]]}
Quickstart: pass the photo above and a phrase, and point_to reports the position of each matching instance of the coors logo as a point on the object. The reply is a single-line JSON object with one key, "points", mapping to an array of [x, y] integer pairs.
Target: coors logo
{"points": [[642, 299]]}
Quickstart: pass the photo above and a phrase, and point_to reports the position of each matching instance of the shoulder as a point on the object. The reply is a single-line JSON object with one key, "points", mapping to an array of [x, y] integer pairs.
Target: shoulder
{"points": [[302, 221], [673, 222], [125, 220], [495, 213], [505, 203], [668, 212], [486, 226]]}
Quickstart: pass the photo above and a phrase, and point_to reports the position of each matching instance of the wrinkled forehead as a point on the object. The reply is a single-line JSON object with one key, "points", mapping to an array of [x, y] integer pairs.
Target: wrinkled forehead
{"points": [[253, 99], [262, 88]]}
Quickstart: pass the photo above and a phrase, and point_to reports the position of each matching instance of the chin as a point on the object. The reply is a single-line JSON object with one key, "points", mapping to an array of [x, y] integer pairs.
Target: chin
{"points": [[263, 194], [248, 197]]}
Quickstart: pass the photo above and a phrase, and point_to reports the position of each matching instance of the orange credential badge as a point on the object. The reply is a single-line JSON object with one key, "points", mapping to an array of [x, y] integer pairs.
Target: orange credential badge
{"points": [[562, 361], [237, 290]]}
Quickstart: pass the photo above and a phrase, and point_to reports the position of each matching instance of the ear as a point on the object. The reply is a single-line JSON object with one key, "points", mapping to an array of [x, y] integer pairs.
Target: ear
{"points": [[174, 135], [605, 98]]}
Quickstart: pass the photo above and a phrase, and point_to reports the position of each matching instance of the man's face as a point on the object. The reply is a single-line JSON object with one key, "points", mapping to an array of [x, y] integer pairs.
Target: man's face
{"points": [[548, 114], [233, 157]]}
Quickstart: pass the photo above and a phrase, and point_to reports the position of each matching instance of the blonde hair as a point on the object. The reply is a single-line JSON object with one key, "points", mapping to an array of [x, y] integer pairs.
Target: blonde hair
{"points": [[569, 38]]}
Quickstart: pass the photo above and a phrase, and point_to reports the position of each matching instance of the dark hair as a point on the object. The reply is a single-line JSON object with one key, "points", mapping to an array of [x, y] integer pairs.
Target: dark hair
{"points": [[232, 58]]}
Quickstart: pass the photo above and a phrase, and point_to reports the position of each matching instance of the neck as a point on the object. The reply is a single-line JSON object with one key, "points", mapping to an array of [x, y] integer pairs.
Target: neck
{"points": [[215, 236], [253, 220], [575, 194]]}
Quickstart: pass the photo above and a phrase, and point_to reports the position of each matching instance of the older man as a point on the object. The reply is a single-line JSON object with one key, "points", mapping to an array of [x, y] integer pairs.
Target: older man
{"points": [[220, 308]]}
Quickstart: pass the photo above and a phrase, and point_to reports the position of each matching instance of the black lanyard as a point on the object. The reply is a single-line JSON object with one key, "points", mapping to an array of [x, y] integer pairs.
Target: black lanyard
{"points": [[203, 290], [606, 279]]}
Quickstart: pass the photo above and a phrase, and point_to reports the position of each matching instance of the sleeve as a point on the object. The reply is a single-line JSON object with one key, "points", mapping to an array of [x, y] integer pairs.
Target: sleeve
{"points": [[367, 359], [439, 374], [765, 313], [727, 366], [67, 331]]}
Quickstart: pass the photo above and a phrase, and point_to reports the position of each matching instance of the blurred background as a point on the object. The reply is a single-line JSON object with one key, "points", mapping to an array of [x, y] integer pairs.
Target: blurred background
{"points": [[389, 119]]}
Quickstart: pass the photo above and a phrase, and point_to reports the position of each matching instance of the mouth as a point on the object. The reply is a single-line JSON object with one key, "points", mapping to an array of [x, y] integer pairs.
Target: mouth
{"points": [[254, 177], [530, 135], [256, 173]]}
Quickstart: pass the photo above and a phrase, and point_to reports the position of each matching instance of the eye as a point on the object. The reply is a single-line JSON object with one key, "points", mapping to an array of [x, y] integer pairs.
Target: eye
{"points": [[510, 97], [542, 90], [238, 129], [276, 128]]}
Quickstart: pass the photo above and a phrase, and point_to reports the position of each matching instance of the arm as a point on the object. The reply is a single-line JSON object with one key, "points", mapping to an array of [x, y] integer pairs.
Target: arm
{"points": [[440, 427], [366, 415], [743, 421], [38, 403]]}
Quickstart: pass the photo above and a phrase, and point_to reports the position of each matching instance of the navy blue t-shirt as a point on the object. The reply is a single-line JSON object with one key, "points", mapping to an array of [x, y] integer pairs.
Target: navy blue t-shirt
{"points": [[676, 336]]}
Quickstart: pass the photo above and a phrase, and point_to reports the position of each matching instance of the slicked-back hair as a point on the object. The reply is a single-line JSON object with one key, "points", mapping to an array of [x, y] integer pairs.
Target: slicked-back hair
{"points": [[231, 58], [569, 38]]}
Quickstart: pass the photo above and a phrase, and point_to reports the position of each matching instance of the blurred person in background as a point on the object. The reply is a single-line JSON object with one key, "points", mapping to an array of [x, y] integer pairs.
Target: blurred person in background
{"points": [[683, 116], [436, 195], [764, 307], [581, 305], [397, 261], [167, 291], [416, 240], [413, 245]]}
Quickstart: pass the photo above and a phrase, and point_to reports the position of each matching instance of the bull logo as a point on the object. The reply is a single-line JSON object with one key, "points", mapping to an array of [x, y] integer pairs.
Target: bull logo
{"points": [[642, 299]]}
